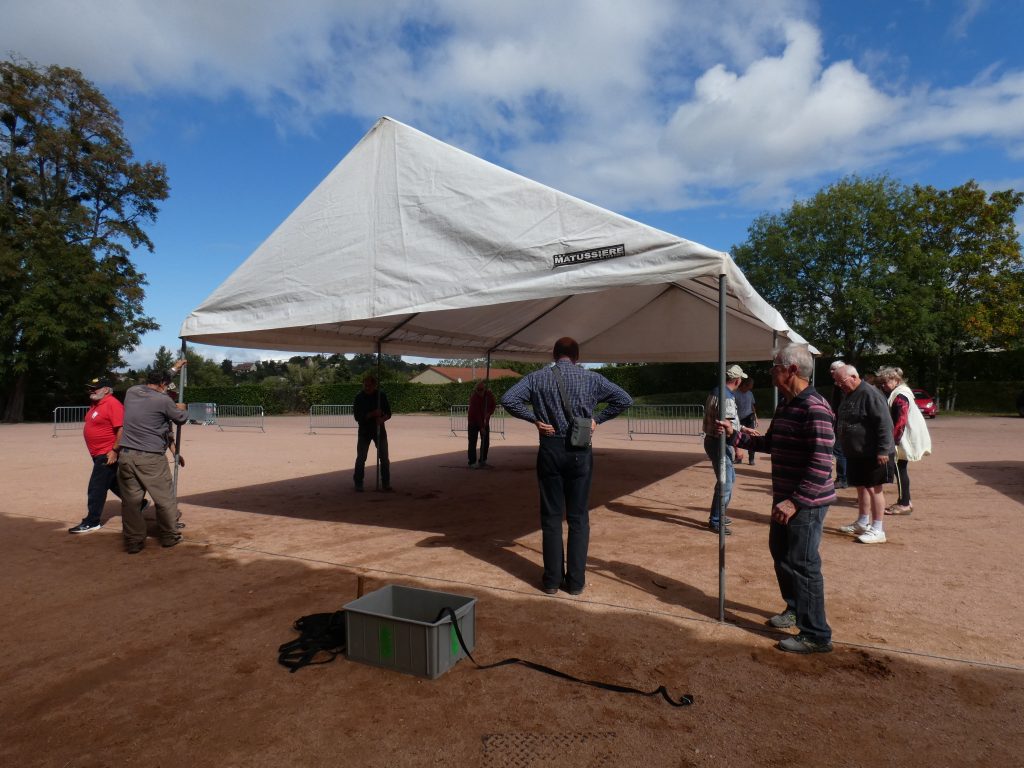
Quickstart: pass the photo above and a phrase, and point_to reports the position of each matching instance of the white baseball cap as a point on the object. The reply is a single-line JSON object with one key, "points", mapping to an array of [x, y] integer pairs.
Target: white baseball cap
{"points": [[734, 372]]}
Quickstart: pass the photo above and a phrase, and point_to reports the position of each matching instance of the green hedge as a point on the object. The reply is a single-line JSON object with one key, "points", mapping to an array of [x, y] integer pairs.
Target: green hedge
{"points": [[984, 397], [988, 396], [404, 397]]}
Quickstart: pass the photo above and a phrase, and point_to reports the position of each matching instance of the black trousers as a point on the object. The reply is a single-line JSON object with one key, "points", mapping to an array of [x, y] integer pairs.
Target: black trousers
{"points": [[563, 474], [366, 437], [102, 479], [484, 433]]}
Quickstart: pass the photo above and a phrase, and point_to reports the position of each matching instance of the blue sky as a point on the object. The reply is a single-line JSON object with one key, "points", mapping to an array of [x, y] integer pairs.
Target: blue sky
{"points": [[694, 117]]}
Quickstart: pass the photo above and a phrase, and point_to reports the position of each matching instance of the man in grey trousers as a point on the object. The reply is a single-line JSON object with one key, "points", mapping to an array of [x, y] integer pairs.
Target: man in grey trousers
{"points": [[142, 465]]}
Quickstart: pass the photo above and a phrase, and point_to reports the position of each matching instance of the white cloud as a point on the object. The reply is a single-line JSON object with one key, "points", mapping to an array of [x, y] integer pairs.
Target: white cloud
{"points": [[971, 8], [785, 116], [649, 104]]}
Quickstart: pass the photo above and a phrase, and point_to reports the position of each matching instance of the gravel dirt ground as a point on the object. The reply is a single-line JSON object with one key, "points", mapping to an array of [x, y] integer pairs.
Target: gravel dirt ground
{"points": [[169, 657]]}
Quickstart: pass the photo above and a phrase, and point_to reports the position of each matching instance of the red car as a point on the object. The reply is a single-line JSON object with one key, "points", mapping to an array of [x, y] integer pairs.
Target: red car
{"points": [[926, 403]]}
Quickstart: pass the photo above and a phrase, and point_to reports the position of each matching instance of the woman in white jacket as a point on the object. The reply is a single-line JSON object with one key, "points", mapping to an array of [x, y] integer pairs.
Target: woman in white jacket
{"points": [[910, 433]]}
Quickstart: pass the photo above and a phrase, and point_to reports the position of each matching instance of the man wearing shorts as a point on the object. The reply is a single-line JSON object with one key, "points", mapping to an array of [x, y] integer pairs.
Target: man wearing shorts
{"points": [[865, 430]]}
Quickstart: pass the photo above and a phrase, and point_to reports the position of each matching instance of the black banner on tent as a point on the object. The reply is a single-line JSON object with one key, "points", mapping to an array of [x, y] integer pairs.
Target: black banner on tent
{"points": [[594, 254]]}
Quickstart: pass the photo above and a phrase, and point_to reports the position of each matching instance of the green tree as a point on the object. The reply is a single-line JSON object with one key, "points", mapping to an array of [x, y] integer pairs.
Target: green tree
{"points": [[203, 372], [73, 203], [163, 360], [843, 268], [519, 366], [971, 253]]}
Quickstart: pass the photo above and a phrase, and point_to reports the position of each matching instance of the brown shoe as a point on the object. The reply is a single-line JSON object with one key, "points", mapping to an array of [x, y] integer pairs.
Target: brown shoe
{"points": [[899, 509]]}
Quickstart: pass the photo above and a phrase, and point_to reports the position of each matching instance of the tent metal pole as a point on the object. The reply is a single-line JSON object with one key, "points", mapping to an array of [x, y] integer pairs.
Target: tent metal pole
{"points": [[775, 390], [379, 422], [182, 378], [721, 447]]}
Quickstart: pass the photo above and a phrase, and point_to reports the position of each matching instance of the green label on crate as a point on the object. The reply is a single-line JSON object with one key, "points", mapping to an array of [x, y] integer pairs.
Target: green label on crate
{"points": [[455, 640], [386, 642]]}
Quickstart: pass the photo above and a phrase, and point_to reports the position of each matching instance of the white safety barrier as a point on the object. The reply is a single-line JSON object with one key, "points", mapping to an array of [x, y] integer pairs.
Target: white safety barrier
{"points": [[330, 417], [240, 416], [69, 417], [458, 420], [665, 420], [202, 413]]}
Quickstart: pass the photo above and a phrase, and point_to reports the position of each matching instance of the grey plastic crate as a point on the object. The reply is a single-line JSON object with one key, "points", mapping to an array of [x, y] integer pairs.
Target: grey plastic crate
{"points": [[394, 627]]}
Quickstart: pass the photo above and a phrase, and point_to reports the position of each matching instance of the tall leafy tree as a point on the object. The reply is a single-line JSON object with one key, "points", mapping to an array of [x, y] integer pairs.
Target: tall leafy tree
{"points": [[73, 203], [163, 359], [843, 267], [972, 250], [203, 372], [871, 265]]}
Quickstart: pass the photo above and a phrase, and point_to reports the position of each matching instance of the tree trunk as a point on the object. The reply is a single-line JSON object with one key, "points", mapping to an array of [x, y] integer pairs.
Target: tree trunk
{"points": [[14, 411]]}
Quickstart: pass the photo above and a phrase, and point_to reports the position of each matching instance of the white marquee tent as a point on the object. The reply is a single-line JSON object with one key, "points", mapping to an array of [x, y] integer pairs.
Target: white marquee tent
{"points": [[411, 246], [423, 249]]}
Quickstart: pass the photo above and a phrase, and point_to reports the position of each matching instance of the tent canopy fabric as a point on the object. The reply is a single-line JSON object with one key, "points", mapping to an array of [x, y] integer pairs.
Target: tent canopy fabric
{"points": [[427, 250]]}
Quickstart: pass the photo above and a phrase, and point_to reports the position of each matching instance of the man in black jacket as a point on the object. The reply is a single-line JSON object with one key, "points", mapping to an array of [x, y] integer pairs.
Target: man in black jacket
{"points": [[370, 410], [865, 430]]}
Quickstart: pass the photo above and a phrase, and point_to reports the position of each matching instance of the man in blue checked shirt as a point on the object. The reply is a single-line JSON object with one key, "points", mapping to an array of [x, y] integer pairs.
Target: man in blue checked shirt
{"points": [[563, 470]]}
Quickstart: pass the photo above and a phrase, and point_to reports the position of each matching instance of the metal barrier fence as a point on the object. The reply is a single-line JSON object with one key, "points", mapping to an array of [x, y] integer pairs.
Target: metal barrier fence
{"points": [[665, 420], [240, 416], [330, 417], [458, 420], [202, 413], [69, 417]]}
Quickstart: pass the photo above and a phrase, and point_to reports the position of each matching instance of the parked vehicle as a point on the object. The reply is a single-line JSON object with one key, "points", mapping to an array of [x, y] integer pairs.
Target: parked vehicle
{"points": [[926, 403]]}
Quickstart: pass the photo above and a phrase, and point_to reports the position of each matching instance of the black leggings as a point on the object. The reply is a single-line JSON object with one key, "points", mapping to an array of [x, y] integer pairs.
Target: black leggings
{"points": [[903, 482]]}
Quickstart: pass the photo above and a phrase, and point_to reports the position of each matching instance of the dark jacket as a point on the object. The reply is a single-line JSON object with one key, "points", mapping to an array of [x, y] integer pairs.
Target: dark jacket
{"points": [[864, 424], [366, 404]]}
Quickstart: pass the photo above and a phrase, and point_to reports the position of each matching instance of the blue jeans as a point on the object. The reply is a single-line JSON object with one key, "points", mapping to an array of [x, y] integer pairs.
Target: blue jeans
{"points": [[102, 479], [563, 474], [723, 492], [837, 451], [794, 548]]}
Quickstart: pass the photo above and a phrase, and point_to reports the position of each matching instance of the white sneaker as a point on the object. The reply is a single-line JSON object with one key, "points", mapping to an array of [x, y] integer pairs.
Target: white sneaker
{"points": [[856, 528], [872, 537]]}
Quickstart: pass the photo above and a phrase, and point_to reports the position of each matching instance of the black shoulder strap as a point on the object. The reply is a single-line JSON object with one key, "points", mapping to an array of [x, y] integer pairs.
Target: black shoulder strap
{"points": [[321, 633], [561, 391], [683, 701]]}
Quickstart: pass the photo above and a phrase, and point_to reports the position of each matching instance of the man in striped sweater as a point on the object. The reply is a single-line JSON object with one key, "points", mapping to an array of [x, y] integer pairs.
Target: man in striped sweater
{"points": [[800, 441]]}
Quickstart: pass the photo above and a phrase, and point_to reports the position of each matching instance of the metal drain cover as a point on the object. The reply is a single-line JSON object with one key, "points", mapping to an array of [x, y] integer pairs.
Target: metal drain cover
{"points": [[548, 750]]}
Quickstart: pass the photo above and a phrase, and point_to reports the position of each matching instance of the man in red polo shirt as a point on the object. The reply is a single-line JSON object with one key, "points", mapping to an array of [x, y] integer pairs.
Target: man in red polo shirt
{"points": [[102, 429]]}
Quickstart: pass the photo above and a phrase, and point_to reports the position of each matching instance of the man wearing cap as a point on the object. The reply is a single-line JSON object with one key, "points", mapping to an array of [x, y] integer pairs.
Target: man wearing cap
{"points": [[102, 429], [142, 466], [723, 492]]}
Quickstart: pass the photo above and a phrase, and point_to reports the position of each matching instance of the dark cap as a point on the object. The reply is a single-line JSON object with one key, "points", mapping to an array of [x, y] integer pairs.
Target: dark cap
{"points": [[99, 383]]}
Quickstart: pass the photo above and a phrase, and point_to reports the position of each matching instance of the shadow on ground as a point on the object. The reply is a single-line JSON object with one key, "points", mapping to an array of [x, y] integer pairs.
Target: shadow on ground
{"points": [[169, 658]]}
